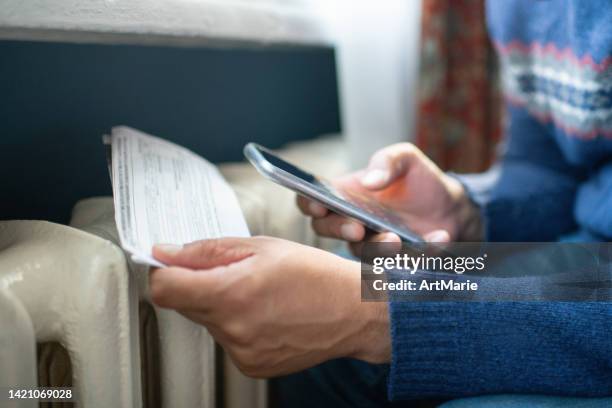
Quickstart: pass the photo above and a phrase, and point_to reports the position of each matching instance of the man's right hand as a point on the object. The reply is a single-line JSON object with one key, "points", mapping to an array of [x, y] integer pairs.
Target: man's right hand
{"points": [[402, 178]]}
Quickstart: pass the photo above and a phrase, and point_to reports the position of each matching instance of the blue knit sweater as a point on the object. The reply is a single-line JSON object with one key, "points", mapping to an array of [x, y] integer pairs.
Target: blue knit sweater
{"points": [[555, 183]]}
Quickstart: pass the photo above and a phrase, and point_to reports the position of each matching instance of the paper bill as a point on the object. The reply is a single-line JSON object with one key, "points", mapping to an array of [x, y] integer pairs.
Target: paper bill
{"points": [[164, 193]]}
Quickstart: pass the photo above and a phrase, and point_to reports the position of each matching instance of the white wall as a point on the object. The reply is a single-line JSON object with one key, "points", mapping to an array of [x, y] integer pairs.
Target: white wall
{"points": [[378, 50], [161, 21]]}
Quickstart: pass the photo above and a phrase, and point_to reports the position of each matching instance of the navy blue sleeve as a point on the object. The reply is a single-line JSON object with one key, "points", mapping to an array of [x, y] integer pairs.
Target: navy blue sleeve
{"points": [[594, 201], [451, 349], [532, 198]]}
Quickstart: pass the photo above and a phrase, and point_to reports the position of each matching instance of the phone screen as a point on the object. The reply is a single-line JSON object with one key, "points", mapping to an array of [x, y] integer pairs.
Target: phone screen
{"points": [[361, 201], [288, 167]]}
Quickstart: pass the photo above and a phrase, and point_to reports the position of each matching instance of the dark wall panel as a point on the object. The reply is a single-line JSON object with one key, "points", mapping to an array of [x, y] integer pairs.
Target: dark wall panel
{"points": [[58, 99]]}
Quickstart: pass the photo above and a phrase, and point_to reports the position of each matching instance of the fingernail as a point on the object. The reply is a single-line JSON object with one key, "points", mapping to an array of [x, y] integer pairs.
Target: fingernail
{"points": [[375, 177], [389, 237], [169, 249], [349, 232], [436, 236]]}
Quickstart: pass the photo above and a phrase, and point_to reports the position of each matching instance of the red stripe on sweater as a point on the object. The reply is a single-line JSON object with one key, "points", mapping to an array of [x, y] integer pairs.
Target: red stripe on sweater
{"points": [[566, 54]]}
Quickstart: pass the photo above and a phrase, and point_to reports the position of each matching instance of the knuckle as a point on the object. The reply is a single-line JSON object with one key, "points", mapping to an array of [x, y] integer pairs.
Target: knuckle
{"points": [[206, 247], [240, 334], [405, 147], [211, 246], [400, 150]]}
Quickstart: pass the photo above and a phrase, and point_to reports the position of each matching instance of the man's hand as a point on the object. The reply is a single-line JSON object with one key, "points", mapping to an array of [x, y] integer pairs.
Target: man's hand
{"points": [[401, 177], [275, 306]]}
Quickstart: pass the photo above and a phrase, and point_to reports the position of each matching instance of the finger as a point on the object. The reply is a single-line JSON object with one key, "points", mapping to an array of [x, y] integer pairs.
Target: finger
{"points": [[205, 254], [388, 237], [310, 207], [337, 226], [389, 164], [387, 243], [439, 236], [182, 288], [384, 237], [392, 243]]}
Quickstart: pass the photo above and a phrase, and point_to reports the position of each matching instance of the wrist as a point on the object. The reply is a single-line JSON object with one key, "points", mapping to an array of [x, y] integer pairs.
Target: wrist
{"points": [[375, 339], [467, 215], [369, 336]]}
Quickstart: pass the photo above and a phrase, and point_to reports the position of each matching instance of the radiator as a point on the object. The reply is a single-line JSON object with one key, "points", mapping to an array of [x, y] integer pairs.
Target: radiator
{"points": [[75, 312], [17, 345], [77, 292]]}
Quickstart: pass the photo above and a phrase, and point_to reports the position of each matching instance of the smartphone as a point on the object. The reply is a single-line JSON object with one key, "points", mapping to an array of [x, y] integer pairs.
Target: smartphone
{"points": [[360, 207]]}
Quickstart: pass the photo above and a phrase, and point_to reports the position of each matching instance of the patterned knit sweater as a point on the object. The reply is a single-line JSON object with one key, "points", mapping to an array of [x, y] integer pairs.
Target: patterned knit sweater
{"points": [[556, 59], [555, 183]]}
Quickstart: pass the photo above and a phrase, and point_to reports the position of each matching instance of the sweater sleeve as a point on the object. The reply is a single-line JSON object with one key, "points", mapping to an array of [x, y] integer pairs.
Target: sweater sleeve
{"points": [[459, 349], [533, 194], [452, 349]]}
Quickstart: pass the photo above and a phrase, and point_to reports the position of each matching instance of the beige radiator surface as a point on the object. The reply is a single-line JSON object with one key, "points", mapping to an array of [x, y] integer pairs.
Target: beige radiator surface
{"points": [[79, 313]]}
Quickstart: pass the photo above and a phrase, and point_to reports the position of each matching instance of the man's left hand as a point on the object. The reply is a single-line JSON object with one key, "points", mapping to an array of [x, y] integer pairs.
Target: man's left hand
{"points": [[275, 306]]}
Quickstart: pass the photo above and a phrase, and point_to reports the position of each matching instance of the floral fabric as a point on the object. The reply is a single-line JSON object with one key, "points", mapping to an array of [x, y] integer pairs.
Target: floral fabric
{"points": [[458, 119]]}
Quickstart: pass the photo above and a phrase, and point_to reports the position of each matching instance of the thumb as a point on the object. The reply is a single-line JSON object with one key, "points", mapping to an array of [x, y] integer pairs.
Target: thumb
{"points": [[389, 164], [204, 254]]}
